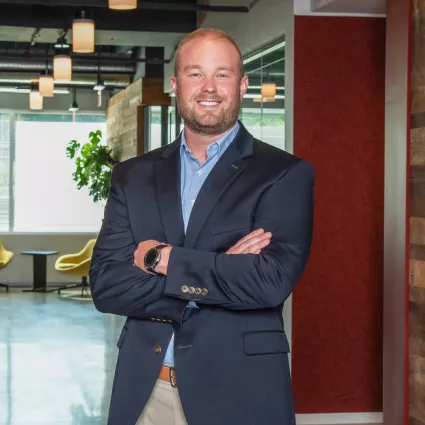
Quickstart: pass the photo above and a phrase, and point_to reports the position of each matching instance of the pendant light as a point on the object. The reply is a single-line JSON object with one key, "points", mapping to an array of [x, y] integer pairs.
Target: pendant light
{"points": [[268, 90], [74, 106], [83, 33], [122, 4], [100, 85], [62, 62], [35, 98], [46, 82]]}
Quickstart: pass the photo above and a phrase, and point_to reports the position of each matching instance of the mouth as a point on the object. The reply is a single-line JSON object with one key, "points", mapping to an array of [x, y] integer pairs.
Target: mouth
{"points": [[208, 103]]}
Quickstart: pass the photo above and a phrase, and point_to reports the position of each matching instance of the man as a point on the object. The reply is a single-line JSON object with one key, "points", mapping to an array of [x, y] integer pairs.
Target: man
{"points": [[201, 243]]}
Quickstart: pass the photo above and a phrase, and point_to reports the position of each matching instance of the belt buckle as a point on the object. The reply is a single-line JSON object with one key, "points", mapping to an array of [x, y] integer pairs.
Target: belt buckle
{"points": [[173, 377]]}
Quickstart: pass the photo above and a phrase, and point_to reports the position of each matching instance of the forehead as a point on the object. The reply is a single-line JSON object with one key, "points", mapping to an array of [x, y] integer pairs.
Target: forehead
{"points": [[204, 51]]}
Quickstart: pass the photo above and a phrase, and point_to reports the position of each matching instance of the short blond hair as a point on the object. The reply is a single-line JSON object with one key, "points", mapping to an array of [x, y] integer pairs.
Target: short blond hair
{"points": [[211, 33]]}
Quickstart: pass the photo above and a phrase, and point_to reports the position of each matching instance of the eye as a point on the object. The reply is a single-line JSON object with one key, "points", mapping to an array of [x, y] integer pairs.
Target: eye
{"points": [[222, 75], [195, 74]]}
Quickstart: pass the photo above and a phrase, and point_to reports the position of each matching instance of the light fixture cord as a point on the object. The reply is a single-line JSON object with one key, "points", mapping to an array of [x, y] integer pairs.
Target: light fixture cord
{"points": [[47, 59]]}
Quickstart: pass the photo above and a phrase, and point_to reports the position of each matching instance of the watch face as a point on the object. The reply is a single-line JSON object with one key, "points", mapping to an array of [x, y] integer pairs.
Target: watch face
{"points": [[151, 257]]}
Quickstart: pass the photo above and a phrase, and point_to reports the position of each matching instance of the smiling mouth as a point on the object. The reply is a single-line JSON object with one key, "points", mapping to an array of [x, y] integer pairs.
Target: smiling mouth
{"points": [[210, 103]]}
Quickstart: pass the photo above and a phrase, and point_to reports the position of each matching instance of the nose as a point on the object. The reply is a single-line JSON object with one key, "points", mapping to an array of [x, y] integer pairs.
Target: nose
{"points": [[209, 85]]}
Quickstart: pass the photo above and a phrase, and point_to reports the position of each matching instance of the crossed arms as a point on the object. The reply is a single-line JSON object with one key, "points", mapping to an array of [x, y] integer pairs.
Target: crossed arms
{"points": [[240, 281]]}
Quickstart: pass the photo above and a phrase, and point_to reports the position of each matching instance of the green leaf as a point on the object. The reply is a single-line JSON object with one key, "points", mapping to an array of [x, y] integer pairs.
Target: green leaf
{"points": [[93, 165]]}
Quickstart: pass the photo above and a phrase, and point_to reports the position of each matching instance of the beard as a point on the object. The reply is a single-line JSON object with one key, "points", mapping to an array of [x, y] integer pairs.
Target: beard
{"points": [[208, 122]]}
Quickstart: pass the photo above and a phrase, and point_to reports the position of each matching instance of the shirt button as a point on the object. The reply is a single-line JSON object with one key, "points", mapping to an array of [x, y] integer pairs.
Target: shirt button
{"points": [[199, 172]]}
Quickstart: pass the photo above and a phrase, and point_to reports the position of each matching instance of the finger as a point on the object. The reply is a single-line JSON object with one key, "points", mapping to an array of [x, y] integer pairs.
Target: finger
{"points": [[252, 241], [252, 249], [255, 240], [249, 236], [251, 245]]}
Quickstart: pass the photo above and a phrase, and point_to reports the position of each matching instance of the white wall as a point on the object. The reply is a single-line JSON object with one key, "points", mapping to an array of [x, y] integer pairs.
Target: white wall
{"points": [[20, 270]]}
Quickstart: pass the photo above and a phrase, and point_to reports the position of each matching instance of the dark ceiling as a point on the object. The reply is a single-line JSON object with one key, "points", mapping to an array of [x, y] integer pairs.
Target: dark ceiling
{"points": [[148, 35]]}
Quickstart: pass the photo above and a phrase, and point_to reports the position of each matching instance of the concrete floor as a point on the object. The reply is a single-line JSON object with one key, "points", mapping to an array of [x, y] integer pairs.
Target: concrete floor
{"points": [[57, 358]]}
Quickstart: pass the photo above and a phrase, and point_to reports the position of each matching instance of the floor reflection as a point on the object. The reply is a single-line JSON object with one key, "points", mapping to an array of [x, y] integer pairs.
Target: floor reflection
{"points": [[57, 359]]}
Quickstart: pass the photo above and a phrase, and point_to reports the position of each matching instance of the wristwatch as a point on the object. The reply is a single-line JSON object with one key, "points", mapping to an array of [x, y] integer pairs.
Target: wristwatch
{"points": [[153, 257]]}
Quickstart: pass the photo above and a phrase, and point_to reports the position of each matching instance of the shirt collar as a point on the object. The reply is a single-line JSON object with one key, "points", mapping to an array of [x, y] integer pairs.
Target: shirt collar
{"points": [[222, 143]]}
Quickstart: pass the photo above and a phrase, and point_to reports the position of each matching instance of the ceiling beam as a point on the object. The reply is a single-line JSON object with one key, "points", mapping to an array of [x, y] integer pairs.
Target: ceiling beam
{"points": [[61, 17], [142, 5], [84, 57]]}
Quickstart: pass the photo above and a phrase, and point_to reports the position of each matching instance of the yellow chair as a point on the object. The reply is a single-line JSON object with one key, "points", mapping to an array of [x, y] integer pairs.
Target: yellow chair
{"points": [[5, 259], [77, 265]]}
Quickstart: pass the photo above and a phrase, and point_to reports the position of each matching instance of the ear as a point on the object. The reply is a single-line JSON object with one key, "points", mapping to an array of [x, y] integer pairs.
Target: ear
{"points": [[174, 84], [244, 85]]}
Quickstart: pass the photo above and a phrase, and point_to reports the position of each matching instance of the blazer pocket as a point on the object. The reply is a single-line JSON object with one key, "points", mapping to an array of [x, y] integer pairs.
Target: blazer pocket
{"points": [[265, 342], [122, 337], [229, 226]]}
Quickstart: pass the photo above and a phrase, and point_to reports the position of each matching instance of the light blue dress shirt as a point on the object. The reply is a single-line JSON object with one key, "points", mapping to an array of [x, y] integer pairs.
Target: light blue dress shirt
{"points": [[193, 176]]}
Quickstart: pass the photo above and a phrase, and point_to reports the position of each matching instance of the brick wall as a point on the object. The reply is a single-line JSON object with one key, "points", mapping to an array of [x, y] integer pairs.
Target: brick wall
{"points": [[121, 121], [125, 112]]}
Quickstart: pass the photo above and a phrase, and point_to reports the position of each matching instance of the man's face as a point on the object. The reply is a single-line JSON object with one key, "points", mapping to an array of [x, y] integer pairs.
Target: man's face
{"points": [[209, 88]]}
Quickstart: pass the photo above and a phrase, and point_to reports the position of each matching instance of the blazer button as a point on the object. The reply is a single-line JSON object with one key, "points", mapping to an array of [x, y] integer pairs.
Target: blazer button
{"points": [[198, 291], [191, 290], [157, 349], [204, 291], [185, 288]]}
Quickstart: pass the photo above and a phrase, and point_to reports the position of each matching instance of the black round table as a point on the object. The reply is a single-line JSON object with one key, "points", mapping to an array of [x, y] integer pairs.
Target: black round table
{"points": [[39, 270]]}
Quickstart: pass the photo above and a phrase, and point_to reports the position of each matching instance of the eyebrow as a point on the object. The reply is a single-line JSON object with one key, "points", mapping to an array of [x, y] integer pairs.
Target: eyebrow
{"points": [[221, 68]]}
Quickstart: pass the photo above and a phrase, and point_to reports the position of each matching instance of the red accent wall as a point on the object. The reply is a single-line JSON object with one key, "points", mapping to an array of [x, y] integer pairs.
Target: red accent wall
{"points": [[339, 101]]}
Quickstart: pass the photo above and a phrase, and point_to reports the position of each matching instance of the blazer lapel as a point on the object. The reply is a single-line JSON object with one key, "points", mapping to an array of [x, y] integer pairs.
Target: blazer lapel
{"points": [[228, 167], [167, 182]]}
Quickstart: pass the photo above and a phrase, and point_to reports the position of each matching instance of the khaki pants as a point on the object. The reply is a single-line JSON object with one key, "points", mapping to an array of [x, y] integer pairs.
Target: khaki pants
{"points": [[163, 407]]}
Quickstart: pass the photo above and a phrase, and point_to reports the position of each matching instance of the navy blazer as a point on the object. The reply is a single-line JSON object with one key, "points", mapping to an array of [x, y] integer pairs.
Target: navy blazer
{"points": [[231, 354]]}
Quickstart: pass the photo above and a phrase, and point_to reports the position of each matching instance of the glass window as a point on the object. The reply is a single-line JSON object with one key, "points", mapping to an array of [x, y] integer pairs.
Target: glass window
{"points": [[263, 116], [155, 127], [5, 153], [46, 198]]}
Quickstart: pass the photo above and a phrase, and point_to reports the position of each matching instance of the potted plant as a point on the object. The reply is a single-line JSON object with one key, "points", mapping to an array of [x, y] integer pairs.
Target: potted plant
{"points": [[93, 165]]}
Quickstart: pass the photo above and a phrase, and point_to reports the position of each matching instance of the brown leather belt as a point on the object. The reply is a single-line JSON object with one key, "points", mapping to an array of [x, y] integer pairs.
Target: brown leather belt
{"points": [[168, 374]]}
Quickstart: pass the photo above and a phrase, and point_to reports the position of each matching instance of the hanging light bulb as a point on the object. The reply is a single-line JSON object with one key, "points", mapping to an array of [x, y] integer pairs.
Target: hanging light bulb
{"points": [[74, 106], [100, 85], [83, 33], [122, 4], [47, 85], [46, 82], [35, 98], [62, 63], [268, 90]]}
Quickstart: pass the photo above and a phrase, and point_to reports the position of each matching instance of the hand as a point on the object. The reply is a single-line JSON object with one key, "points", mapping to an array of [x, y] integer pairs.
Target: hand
{"points": [[253, 243], [143, 248]]}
